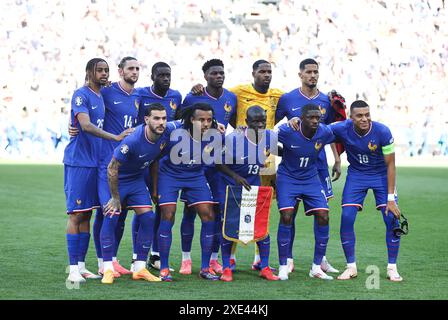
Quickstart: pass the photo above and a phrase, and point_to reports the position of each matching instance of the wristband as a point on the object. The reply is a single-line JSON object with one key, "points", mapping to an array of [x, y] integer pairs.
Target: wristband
{"points": [[390, 197]]}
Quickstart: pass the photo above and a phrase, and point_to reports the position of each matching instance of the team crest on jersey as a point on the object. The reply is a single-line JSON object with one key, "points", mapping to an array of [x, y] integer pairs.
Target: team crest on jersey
{"points": [[372, 146], [173, 105], [318, 145], [78, 202], [322, 110], [78, 101], [124, 149], [228, 107], [162, 145]]}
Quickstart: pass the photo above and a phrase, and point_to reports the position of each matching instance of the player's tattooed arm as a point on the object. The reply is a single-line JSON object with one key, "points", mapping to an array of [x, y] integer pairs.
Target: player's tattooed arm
{"points": [[238, 179], [336, 171], [391, 204], [89, 127], [113, 206]]}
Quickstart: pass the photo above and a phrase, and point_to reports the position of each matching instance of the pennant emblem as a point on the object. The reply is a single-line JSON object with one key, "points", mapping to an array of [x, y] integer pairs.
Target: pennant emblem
{"points": [[246, 213]]}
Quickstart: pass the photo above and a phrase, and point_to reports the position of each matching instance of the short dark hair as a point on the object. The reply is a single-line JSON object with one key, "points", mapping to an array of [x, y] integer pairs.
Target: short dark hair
{"points": [[159, 64], [153, 107], [307, 61], [190, 111], [212, 63], [124, 60], [254, 110], [91, 65], [358, 104], [257, 63], [309, 107]]}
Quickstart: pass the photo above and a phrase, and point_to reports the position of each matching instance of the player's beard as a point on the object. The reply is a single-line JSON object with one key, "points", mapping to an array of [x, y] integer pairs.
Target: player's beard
{"points": [[130, 81]]}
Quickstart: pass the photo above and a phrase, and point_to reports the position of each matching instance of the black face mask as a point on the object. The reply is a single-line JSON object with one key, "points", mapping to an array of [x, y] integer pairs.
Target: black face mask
{"points": [[402, 228]]}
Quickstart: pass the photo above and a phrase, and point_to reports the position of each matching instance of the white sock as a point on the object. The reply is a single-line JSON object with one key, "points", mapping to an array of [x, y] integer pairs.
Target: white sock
{"points": [[352, 265], [392, 266], [81, 266], [289, 260], [74, 268], [283, 269], [108, 266], [316, 267], [324, 258], [155, 253], [134, 256], [186, 256], [114, 259], [214, 256], [139, 265], [100, 263], [232, 256], [256, 258]]}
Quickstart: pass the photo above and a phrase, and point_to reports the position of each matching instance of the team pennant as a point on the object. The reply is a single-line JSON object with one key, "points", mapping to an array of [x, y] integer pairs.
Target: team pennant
{"points": [[246, 213]]}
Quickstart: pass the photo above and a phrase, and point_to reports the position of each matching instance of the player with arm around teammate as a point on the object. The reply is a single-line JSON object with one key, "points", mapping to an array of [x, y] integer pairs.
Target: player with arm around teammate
{"points": [[297, 179], [81, 161]]}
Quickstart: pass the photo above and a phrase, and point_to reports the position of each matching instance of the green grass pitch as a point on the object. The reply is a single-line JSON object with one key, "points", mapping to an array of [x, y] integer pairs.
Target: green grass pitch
{"points": [[33, 255]]}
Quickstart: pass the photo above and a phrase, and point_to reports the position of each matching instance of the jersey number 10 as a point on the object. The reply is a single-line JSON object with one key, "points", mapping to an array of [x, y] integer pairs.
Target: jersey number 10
{"points": [[363, 158]]}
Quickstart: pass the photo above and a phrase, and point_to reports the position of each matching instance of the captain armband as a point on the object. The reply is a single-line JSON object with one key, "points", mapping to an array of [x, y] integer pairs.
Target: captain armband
{"points": [[388, 149]]}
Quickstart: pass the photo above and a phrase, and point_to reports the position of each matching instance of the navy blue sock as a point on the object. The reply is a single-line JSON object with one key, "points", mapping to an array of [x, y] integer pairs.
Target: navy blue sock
{"points": [[393, 242], [73, 248], [97, 224], [321, 236], [263, 248], [108, 236], [84, 239], [187, 228], [226, 249], [145, 234], [347, 230], [217, 237], [283, 240], [155, 239], [293, 235], [207, 238], [119, 230], [165, 239], [135, 227]]}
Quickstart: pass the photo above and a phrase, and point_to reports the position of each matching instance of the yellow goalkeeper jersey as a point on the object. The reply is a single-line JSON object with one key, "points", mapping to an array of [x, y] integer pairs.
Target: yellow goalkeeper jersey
{"points": [[247, 96]]}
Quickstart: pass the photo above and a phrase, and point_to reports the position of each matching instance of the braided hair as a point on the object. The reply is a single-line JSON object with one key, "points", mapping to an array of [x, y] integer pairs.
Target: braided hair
{"points": [[91, 66], [190, 111]]}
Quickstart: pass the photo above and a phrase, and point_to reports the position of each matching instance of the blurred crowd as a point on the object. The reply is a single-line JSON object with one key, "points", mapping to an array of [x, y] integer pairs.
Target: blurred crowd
{"points": [[393, 54]]}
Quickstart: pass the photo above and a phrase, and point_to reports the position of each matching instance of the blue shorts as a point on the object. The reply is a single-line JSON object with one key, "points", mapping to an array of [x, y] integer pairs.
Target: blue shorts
{"points": [[212, 176], [133, 194], [80, 186], [356, 187], [195, 189], [309, 191], [325, 179], [103, 186]]}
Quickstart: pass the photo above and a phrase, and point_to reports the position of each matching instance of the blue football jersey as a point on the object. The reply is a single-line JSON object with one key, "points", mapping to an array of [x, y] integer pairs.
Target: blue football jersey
{"points": [[300, 154], [224, 107], [84, 149], [135, 153], [290, 106], [185, 156], [171, 101], [364, 153], [121, 114], [246, 158]]}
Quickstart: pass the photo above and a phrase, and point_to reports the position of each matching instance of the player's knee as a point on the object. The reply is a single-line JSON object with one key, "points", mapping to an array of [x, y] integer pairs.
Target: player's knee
{"points": [[286, 218], [167, 216], [322, 218]]}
